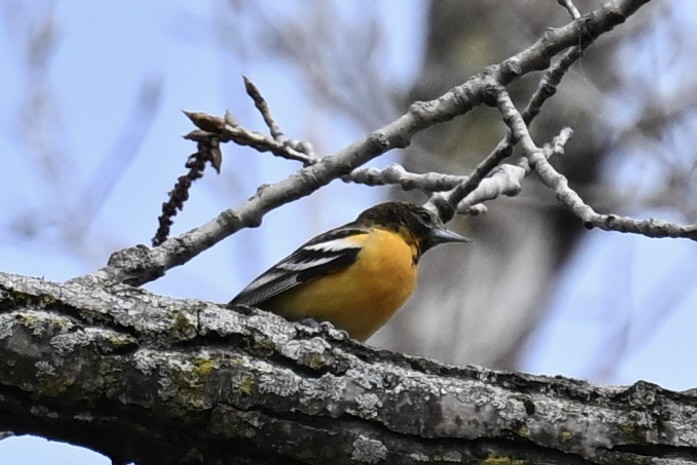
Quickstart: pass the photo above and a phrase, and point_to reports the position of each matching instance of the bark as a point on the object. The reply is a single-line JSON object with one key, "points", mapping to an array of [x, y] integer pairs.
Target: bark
{"points": [[151, 379]]}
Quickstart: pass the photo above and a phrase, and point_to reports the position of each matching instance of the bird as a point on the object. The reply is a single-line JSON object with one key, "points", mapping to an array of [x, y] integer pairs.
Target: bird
{"points": [[355, 276]]}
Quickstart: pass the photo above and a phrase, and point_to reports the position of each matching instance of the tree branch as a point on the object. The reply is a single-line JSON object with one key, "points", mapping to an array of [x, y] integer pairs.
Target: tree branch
{"points": [[139, 265], [176, 381], [551, 178], [181, 381]]}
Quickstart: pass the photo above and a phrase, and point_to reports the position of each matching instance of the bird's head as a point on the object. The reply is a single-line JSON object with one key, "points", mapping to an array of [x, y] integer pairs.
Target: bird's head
{"points": [[419, 227]]}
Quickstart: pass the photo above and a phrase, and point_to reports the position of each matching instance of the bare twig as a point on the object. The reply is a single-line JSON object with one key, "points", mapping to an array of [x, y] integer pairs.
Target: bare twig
{"points": [[260, 102], [225, 130], [397, 174], [139, 265], [208, 152], [298, 151], [569, 198], [506, 179], [459, 198], [570, 7]]}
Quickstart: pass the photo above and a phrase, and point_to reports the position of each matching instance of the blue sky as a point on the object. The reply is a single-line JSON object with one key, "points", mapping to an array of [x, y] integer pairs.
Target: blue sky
{"points": [[107, 50]]}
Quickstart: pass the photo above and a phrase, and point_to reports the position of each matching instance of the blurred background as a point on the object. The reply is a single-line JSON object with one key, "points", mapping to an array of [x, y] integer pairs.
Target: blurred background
{"points": [[91, 95]]}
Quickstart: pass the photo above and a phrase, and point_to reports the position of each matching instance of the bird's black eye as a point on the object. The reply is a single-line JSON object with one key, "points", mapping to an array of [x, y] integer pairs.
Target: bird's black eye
{"points": [[426, 218]]}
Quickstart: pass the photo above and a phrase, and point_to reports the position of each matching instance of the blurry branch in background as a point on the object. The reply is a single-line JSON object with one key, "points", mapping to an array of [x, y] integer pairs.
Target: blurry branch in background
{"points": [[122, 153], [648, 131], [68, 204], [312, 44], [627, 336], [483, 88]]}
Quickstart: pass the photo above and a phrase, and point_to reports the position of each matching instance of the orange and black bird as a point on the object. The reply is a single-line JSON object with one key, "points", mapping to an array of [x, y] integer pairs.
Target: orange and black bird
{"points": [[355, 276]]}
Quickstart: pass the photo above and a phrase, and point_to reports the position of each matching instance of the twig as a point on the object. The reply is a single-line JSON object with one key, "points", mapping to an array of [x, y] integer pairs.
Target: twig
{"points": [[571, 8], [459, 198], [506, 179], [397, 174], [568, 197], [139, 265], [226, 130], [208, 152], [260, 102], [213, 127]]}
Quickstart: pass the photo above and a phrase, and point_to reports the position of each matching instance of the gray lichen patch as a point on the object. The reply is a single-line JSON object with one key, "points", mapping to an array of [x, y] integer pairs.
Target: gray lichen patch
{"points": [[223, 323], [267, 327], [368, 403], [186, 379], [38, 323], [367, 450], [105, 340], [146, 360], [146, 316], [283, 383], [64, 343], [314, 353]]}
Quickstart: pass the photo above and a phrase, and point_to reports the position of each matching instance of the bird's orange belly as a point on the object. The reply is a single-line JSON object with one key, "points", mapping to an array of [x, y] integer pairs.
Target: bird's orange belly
{"points": [[361, 298]]}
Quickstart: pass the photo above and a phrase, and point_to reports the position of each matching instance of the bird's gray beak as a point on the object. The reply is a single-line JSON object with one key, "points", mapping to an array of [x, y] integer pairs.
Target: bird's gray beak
{"points": [[441, 235]]}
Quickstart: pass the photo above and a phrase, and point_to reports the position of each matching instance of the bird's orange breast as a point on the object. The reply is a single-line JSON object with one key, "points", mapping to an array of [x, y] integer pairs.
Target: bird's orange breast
{"points": [[363, 296]]}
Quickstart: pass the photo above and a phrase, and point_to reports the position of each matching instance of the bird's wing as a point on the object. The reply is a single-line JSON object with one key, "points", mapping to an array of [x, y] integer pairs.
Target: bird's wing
{"points": [[322, 255]]}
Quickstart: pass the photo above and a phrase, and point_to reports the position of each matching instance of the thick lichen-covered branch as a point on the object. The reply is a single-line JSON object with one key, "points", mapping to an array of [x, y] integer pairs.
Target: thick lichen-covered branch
{"points": [[182, 381]]}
